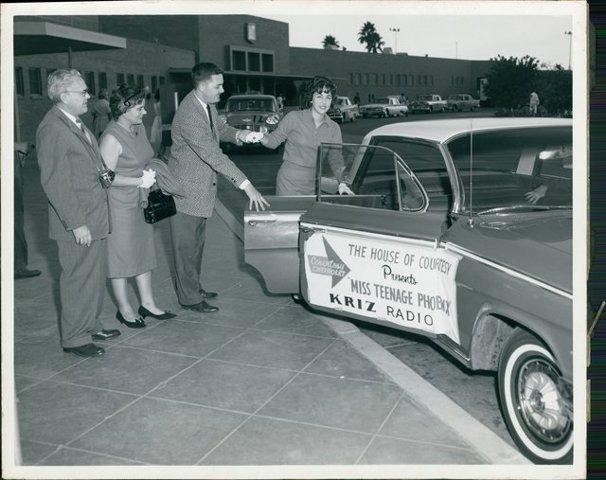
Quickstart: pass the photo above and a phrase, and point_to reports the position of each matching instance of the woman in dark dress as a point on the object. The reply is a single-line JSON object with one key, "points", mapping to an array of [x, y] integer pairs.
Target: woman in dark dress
{"points": [[131, 250]]}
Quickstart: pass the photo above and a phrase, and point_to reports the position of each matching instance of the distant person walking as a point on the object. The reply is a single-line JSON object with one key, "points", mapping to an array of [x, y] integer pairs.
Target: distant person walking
{"points": [[101, 112], [356, 98], [280, 100], [533, 103]]}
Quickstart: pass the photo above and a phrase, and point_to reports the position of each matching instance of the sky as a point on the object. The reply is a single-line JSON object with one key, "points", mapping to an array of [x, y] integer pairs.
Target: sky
{"points": [[447, 36]]}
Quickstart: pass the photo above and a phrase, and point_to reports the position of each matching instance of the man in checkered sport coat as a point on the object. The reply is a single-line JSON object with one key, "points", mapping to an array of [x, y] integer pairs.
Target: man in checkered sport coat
{"points": [[195, 159]]}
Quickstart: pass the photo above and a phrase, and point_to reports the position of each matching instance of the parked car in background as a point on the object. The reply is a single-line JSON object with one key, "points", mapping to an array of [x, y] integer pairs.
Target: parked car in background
{"points": [[254, 112], [342, 110], [458, 231], [428, 103], [461, 102], [384, 107]]}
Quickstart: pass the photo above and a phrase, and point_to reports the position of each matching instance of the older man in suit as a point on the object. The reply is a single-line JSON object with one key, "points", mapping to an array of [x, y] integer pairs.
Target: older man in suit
{"points": [[70, 164], [195, 159]]}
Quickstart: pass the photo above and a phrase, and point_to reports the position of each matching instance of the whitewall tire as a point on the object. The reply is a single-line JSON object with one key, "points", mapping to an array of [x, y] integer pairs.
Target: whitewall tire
{"points": [[532, 405]]}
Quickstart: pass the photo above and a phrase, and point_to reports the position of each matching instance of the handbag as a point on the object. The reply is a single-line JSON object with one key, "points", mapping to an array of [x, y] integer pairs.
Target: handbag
{"points": [[159, 206]]}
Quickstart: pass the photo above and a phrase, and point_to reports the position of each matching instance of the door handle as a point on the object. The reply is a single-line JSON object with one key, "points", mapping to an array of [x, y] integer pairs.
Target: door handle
{"points": [[312, 230]]}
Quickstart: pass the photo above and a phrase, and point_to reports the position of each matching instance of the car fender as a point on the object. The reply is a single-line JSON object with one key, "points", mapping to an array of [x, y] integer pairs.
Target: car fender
{"points": [[496, 321]]}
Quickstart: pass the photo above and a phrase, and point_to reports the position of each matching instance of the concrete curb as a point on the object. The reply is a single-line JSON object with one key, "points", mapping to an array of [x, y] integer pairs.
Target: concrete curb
{"points": [[477, 435]]}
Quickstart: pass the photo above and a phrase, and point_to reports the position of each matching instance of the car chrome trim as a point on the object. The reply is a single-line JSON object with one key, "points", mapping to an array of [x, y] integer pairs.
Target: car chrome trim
{"points": [[507, 270], [415, 241]]}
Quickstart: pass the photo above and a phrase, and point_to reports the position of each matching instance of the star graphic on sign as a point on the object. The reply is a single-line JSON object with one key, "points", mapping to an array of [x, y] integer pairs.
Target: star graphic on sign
{"points": [[330, 265]]}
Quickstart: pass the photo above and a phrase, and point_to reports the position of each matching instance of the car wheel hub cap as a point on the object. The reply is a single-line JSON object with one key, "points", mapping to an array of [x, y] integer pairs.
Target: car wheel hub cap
{"points": [[540, 402]]}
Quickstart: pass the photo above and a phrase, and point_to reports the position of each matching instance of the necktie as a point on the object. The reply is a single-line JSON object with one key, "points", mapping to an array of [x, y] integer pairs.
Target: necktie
{"points": [[81, 127], [210, 119]]}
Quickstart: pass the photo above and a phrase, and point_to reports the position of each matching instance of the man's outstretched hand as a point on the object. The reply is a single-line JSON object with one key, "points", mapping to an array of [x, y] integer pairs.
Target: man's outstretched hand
{"points": [[255, 198]]}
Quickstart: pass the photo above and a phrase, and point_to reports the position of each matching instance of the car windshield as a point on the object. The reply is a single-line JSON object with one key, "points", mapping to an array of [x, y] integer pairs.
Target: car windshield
{"points": [[526, 169], [250, 104], [381, 100]]}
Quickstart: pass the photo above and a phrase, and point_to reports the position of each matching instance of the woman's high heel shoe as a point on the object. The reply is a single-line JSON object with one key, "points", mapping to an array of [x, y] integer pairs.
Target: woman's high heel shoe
{"points": [[144, 312], [136, 323]]}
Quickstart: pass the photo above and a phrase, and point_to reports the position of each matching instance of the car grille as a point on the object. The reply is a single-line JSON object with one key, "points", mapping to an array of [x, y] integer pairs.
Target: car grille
{"points": [[252, 128]]}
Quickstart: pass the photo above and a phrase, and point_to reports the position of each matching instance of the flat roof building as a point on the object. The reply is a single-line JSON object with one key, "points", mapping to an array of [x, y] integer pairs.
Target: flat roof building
{"points": [[158, 51]]}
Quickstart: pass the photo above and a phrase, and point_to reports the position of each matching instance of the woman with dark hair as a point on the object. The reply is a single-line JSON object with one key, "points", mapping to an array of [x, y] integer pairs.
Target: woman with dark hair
{"points": [[131, 250], [303, 131], [101, 112]]}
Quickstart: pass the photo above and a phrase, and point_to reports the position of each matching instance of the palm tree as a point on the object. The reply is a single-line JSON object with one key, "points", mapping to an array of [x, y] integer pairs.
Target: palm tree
{"points": [[368, 34], [330, 43]]}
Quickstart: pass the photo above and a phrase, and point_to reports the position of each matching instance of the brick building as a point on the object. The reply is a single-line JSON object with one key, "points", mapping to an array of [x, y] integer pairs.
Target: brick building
{"points": [[158, 51]]}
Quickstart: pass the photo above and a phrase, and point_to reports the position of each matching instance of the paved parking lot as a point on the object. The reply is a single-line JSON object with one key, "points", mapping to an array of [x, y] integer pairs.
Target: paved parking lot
{"points": [[263, 381]]}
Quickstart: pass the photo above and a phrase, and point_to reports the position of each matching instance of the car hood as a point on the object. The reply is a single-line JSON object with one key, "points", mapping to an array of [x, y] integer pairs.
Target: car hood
{"points": [[537, 244]]}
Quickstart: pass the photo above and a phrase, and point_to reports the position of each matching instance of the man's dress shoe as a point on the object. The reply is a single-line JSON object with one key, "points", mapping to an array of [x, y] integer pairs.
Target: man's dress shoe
{"points": [[26, 273], [105, 334], [201, 307], [206, 295], [88, 350], [144, 312]]}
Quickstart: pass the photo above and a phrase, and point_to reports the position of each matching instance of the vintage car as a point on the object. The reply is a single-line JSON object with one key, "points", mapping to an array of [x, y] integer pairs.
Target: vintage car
{"points": [[428, 103], [459, 231], [255, 112], [461, 102], [342, 110], [384, 107]]}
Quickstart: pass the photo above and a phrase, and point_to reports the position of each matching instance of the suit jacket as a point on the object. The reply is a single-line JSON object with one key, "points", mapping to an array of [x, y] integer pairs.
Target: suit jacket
{"points": [[196, 157], [70, 178]]}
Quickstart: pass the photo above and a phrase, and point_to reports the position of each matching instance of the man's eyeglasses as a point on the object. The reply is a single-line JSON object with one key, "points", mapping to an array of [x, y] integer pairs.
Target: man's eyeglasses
{"points": [[83, 93]]}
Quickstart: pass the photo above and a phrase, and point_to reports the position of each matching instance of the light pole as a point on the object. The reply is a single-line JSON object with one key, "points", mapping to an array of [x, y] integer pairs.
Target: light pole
{"points": [[395, 31], [569, 33]]}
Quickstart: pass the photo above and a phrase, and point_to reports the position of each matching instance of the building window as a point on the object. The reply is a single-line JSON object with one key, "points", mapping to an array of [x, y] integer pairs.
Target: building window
{"points": [[140, 82], [358, 77], [130, 79], [404, 81], [89, 78], [411, 80], [162, 79], [102, 80], [431, 80], [35, 81], [425, 80], [267, 61], [375, 78], [391, 78], [238, 60], [19, 84], [119, 79], [254, 62], [154, 84], [366, 79]]}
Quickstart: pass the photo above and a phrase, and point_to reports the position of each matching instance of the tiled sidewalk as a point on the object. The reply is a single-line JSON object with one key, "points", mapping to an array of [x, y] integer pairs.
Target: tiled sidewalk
{"points": [[263, 381]]}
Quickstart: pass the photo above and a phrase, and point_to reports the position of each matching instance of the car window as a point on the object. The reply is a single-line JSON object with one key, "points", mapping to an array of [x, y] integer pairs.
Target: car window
{"points": [[251, 104], [428, 165], [377, 182], [509, 164], [381, 100], [377, 172]]}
